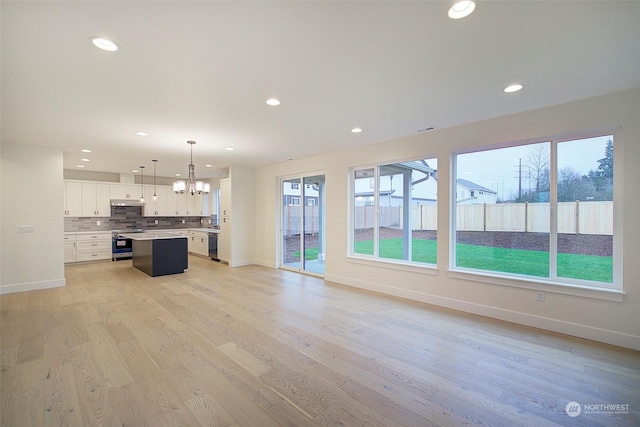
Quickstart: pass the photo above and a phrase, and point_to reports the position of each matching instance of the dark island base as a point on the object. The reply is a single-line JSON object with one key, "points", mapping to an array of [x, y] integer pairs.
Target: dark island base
{"points": [[159, 257]]}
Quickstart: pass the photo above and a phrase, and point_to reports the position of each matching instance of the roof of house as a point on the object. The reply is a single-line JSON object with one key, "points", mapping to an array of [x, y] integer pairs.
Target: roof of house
{"points": [[473, 186]]}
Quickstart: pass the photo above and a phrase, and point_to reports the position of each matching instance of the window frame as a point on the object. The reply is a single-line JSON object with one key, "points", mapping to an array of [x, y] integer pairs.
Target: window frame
{"points": [[552, 284], [374, 259]]}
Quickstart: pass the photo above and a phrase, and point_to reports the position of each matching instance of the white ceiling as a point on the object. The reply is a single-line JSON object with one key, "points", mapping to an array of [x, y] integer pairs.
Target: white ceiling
{"points": [[203, 70]]}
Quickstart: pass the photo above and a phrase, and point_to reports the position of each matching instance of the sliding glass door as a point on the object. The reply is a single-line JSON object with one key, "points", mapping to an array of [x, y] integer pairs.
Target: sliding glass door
{"points": [[302, 225]]}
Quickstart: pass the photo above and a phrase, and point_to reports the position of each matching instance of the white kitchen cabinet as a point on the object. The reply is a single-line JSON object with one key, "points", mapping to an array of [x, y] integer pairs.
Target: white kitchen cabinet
{"points": [[69, 248], [87, 247], [170, 208], [199, 243], [181, 204], [125, 191], [96, 199], [157, 207], [72, 198], [194, 204], [225, 197], [224, 238]]}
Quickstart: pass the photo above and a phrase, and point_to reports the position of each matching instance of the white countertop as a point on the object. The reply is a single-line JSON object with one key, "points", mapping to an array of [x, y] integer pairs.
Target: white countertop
{"points": [[88, 232], [152, 235], [168, 230]]}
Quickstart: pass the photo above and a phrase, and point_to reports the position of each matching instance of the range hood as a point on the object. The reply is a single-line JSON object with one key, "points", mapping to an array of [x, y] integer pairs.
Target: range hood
{"points": [[126, 202]]}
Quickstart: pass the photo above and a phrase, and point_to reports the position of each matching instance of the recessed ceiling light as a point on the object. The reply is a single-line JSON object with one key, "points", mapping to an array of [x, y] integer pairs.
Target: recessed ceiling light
{"points": [[135, 171], [356, 130], [461, 9], [84, 150], [229, 148], [80, 166], [85, 160], [104, 44], [273, 101], [142, 134], [177, 174], [208, 166], [513, 88]]}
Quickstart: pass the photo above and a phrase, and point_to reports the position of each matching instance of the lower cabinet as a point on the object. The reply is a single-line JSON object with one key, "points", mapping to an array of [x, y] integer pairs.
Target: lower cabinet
{"points": [[87, 247], [199, 243], [69, 248]]}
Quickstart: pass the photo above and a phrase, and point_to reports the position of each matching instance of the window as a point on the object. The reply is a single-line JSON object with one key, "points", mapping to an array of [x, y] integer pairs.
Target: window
{"points": [[311, 202], [509, 228], [394, 211], [295, 201], [295, 186]]}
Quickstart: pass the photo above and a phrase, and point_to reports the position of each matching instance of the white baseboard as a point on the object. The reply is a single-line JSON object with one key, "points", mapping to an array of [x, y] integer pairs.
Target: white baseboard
{"points": [[574, 329], [32, 286], [263, 263], [241, 263]]}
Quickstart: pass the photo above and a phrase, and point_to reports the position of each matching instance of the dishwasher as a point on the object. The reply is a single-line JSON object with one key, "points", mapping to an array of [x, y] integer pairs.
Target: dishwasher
{"points": [[213, 246]]}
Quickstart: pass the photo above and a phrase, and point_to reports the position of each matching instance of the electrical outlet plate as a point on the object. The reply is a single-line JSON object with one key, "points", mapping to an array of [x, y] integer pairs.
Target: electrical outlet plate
{"points": [[540, 297]]}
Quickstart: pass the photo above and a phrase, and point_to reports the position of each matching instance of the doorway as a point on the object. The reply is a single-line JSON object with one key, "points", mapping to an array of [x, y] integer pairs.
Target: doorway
{"points": [[303, 224]]}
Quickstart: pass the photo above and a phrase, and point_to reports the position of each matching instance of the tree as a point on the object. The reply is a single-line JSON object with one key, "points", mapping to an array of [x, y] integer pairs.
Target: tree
{"points": [[605, 165], [602, 178], [539, 175], [572, 186]]}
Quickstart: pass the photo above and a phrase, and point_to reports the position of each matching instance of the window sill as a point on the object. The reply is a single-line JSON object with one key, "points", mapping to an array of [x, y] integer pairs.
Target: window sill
{"points": [[397, 265], [541, 285]]}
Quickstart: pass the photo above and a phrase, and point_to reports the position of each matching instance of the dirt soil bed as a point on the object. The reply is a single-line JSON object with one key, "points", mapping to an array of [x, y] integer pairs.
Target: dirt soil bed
{"points": [[584, 244]]}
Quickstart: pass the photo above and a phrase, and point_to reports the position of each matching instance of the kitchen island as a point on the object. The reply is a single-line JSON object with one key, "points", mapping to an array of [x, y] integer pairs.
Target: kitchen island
{"points": [[159, 253]]}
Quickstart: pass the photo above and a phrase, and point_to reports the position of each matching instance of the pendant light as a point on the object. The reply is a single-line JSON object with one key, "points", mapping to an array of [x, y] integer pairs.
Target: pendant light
{"points": [[155, 197], [142, 184], [191, 185]]}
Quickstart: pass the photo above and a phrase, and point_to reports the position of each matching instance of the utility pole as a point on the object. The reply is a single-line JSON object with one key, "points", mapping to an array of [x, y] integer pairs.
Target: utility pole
{"points": [[520, 179]]}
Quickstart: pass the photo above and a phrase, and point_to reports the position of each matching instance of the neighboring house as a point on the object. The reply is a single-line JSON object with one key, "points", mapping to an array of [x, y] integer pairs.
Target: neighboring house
{"points": [[292, 193], [470, 193], [423, 192]]}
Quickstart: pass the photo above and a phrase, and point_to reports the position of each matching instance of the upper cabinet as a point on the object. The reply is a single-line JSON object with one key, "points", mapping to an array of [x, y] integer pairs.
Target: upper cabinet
{"points": [[72, 198], [86, 199], [93, 199], [156, 207], [96, 199], [125, 191]]}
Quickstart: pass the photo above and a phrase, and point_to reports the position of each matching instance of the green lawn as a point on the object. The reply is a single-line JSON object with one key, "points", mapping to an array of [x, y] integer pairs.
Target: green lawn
{"points": [[515, 261]]}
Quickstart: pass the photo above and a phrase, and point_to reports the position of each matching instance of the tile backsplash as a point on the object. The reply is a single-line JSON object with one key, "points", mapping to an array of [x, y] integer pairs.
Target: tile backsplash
{"points": [[130, 217]]}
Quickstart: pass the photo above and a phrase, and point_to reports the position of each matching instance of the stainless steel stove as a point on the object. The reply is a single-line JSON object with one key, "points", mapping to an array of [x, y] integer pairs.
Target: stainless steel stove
{"points": [[121, 247]]}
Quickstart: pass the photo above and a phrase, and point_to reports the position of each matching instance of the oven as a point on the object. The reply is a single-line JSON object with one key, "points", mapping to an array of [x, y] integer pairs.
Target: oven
{"points": [[121, 247]]}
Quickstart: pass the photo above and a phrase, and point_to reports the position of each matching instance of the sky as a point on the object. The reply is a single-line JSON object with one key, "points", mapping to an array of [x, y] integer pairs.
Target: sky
{"points": [[498, 169]]}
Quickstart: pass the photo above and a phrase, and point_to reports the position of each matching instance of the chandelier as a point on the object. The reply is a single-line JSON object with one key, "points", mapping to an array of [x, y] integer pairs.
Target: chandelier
{"points": [[191, 185]]}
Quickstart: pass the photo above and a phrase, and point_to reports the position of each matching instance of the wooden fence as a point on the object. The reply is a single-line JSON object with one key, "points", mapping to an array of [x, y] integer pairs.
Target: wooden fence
{"points": [[291, 220], [573, 217]]}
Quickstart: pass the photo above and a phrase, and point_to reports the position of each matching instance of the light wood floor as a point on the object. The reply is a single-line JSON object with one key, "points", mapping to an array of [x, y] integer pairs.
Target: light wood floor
{"points": [[253, 346]]}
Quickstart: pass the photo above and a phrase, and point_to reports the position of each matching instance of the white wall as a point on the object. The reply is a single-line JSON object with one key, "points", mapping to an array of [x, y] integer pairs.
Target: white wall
{"points": [[32, 194], [607, 321], [242, 211]]}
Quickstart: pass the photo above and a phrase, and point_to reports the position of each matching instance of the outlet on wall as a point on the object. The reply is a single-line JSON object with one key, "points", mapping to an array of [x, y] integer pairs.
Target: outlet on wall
{"points": [[97, 222], [156, 221], [540, 297]]}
